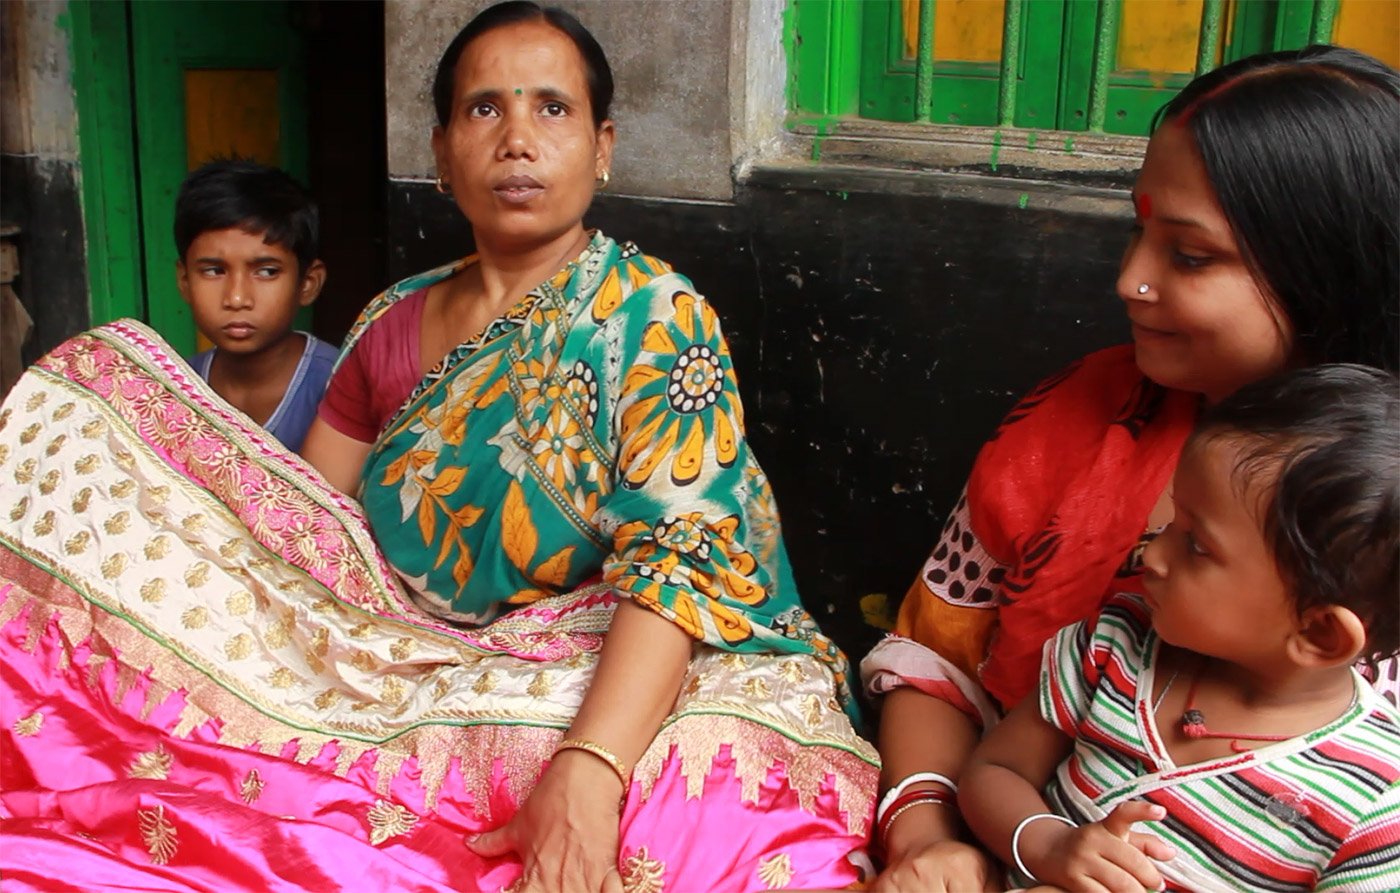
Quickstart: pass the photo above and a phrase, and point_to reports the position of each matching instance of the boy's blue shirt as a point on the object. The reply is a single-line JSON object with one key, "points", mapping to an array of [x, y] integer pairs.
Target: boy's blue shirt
{"points": [[293, 416]]}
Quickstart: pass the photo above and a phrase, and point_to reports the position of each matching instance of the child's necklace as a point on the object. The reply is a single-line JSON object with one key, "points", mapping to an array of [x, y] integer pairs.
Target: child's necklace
{"points": [[1193, 724]]}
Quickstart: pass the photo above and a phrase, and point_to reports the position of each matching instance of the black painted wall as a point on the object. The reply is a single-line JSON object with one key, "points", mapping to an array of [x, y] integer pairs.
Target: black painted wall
{"points": [[41, 196], [881, 325]]}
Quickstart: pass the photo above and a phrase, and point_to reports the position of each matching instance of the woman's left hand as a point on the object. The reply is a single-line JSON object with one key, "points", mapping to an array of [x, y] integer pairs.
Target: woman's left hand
{"points": [[566, 832]]}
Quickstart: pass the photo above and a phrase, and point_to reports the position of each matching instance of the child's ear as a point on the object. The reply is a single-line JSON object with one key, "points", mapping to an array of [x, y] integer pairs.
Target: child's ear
{"points": [[182, 279], [1327, 636], [312, 281]]}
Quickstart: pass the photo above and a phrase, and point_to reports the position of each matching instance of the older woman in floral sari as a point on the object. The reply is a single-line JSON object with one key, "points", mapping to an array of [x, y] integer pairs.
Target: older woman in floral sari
{"points": [[557, 620]]}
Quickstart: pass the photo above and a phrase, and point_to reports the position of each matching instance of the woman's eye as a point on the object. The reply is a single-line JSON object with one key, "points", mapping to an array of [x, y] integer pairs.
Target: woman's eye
{"points": [[554, 110], [1190, 261], [481, 110]]}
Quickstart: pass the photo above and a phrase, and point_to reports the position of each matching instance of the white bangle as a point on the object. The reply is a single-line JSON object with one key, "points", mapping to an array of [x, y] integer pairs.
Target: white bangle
{"points": [[1016, 839], [893, 793]]}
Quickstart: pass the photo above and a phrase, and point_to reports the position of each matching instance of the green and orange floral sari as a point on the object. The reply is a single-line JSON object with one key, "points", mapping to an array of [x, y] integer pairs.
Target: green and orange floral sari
{"points": [[594, 429]]}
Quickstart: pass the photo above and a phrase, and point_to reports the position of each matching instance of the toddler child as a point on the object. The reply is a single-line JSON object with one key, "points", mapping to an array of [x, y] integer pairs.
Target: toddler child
{"points": [[247, 237], [1214, 735]]}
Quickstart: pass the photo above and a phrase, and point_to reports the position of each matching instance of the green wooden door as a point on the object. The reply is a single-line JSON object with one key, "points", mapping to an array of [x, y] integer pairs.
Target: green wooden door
{"points": [[162, 86], [210, 78]]}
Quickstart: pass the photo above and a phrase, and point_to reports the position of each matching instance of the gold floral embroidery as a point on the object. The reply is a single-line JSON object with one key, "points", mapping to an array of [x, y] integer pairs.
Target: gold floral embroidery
{"points": [[775, 872], [239, 647], [401, 649], [793, 671], [252, 787], [757, 688], [28, 434], [21, 509], [125, 460], [87, 464], [441, 688], [231, 548], [113, 565], [81, 500], [393, 691], [117, 524], [55, 445], [239, 603], [643, 874], [95, 428], [540, 686], [735, 661], [154, 764], [4, 453], [64, 411], [278, 634], [323, 606], [44, 526], [360, 631], [153, 591], [25, 472], [282, 678], [122, 489], [159, 835], [77, 543], [195, 618], [158, 493], [36, 400], [363, 661], [158, 547], [326, 698], [4, 419], [812, 710], [49, 482], [193, 523], [388, 820], [485, 683], [29, 725], [197, 574]]}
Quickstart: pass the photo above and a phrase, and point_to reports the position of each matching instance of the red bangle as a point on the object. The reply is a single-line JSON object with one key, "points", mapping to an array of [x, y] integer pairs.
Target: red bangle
{"points": [[906, 801]]}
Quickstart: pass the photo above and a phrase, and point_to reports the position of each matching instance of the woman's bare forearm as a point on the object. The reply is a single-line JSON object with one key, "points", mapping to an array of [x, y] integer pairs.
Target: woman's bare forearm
{"points": [[639, 674], [920, 733]]}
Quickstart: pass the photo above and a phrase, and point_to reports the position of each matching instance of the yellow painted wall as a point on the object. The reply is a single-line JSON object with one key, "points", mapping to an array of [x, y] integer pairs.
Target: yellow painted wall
{"points": [[1371, 26]]}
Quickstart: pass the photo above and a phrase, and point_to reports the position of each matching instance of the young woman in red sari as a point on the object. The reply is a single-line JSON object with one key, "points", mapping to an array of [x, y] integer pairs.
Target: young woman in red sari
{"points": [[1265, 237]]}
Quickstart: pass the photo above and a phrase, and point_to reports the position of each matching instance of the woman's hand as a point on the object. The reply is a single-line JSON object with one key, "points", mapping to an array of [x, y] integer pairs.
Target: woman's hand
{"points": [[566, 831], [1103, 856], [940, 866]]}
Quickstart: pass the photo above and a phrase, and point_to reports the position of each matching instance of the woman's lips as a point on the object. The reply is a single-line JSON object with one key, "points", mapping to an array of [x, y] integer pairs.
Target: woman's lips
{"points": [[1142, 332], [518, 189]]}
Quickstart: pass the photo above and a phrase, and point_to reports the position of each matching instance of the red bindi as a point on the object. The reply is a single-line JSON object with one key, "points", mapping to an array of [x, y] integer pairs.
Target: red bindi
{"points": [[1143, 203]]}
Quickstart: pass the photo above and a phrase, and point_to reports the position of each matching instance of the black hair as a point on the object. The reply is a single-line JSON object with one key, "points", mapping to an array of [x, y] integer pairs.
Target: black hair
{"points": [[595, 62], [1303, 150], [1320, 448], [237, 193]]}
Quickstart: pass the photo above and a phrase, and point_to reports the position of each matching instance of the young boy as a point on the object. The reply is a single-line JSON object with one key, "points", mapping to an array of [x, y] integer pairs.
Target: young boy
{"points": [[247, 236], [1214, 735]]}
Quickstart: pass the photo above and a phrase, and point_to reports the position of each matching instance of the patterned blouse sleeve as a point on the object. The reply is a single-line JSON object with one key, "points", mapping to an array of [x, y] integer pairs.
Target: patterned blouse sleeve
{"points": [[693, 524], [945, 624]]}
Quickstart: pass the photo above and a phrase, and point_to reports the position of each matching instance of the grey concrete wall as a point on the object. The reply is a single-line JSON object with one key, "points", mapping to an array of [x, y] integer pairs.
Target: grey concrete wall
{"points": [[671, 61]]}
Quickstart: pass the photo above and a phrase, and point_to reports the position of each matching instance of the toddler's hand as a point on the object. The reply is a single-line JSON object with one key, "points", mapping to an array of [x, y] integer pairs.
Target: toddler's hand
{"points": [[1104, 856]]}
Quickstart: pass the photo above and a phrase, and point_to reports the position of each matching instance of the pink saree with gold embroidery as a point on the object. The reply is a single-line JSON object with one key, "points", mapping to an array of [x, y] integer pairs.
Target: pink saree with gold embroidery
{"points": [[213, 680]]}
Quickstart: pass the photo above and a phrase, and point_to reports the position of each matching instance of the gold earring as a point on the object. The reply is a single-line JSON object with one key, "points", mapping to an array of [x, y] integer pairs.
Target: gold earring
{"points": [[604, 180], [442, 186]]}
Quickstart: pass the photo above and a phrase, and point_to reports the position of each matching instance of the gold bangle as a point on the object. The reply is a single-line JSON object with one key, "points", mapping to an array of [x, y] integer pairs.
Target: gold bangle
{"points": [[601, 753]]}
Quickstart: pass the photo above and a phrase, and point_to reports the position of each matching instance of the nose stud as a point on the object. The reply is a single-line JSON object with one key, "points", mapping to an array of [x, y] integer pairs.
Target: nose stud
{"points": [[1142, 289]]}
